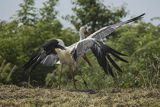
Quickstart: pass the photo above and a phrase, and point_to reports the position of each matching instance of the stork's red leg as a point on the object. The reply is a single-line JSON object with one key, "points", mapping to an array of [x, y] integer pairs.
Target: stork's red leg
{"points": [[87, 60], [60, 75]]}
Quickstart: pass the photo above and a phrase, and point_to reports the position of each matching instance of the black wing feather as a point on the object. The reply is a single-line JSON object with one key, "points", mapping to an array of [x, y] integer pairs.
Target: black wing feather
{"points": [[46, 49], [113, 63], [35, 60], [32, 60], [102, 53], [114, 51], [100, 56], [118, 57], [109, 69]]}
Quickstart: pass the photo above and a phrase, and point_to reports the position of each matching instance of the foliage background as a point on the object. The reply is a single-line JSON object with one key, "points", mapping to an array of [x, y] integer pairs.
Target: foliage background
{"points": [[31, 27]]}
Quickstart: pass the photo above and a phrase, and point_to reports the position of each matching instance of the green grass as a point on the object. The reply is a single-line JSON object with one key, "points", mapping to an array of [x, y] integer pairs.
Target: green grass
{"points": [[13, 96]]}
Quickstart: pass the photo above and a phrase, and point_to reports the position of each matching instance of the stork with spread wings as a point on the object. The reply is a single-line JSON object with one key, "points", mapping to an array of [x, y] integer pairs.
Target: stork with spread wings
{"points": [[55, 50]]}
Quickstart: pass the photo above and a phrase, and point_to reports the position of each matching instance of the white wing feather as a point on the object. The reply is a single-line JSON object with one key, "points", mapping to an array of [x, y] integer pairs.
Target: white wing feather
{"points": [[103, 32], [84, 45], [107, 30], [50, 60]]}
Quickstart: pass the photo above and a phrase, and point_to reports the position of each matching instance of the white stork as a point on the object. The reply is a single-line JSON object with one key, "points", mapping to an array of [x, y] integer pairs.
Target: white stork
{"points": [[55, 50]]}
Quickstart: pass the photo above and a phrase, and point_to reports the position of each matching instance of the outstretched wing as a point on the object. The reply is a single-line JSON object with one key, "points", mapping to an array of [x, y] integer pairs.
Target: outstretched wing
{"points": [[102, 53], [35, 60], [50, 60], [107, 30], [46, 55], [82, 47], [103, 62], [104, 57]]}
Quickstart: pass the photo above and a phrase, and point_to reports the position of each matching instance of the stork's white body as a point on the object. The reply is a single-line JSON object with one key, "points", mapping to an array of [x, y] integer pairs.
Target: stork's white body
{"points": [[65, 56]]}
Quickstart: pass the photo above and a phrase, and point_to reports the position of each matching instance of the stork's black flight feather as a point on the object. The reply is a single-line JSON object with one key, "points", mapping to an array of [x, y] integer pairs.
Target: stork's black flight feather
{"points": [[32, 60], [134, 19], [105, 60], [113, 52], [101, 58]]}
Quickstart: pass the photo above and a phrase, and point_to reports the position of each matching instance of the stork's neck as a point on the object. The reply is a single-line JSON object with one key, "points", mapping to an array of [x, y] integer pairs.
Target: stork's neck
{"points": [[65, 56], [82, 35]]}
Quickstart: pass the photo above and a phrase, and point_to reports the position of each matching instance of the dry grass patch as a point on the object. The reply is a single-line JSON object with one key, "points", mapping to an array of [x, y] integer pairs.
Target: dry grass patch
{"points": [[13, 96]]}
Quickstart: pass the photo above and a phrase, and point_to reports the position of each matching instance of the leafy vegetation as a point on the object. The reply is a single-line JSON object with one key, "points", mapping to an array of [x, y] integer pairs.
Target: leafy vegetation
{"points": [[95, 14], [140, 42], [30, 28]]}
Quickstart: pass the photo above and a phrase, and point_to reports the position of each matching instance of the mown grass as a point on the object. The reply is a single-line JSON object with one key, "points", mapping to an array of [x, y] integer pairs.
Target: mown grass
{"points": [[13, 96]]}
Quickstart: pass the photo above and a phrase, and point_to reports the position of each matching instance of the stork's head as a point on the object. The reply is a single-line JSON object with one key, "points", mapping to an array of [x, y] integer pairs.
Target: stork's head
{"points": [[60, 44], [83, 32]]}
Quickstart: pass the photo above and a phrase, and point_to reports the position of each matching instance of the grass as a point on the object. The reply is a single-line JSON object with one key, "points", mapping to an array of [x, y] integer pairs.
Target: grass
{"points": [[13, 96]]}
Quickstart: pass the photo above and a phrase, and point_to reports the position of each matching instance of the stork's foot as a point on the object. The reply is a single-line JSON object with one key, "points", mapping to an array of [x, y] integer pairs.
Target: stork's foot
{"points": [[59, 88], [89, 91], [75, 87], [29, 81], [116, 90], [85, 84], [29, 85], [59, 85]]}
